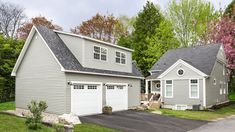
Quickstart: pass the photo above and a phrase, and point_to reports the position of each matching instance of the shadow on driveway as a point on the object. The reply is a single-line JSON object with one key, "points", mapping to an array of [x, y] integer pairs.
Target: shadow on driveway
{"points": [[133, 121]]}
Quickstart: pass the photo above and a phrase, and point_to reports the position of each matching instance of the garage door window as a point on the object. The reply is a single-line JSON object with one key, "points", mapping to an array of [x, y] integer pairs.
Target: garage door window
{"points": [[119, 87], [110, 87], [78, 87], [92, 87]]}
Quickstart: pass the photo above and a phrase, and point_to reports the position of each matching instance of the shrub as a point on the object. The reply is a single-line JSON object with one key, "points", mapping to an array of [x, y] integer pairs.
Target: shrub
{"points": [[34, 121]]}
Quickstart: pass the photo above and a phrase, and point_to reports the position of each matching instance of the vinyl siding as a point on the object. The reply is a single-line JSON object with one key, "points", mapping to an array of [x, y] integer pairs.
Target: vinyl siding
{"points": [[75, 45], [110, 64], [39, 77], [213, 91], [83, 50], [181, 87], [133, 92]]}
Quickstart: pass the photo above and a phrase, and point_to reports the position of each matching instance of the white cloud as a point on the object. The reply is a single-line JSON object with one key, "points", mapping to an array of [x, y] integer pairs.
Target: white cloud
{"points": [[69, 13]]}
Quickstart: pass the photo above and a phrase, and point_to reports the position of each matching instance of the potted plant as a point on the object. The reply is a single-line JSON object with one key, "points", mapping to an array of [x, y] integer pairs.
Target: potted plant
{"points": [[107, 110]]}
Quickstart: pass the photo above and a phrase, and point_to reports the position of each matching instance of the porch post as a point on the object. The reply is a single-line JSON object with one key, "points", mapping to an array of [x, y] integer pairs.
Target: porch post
{"points": [[146, 86]]}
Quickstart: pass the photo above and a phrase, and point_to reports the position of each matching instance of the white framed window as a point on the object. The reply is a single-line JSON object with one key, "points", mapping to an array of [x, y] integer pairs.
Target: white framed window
{"points": [[224, 91], [78, 87], [194, 88], [214, 81], [100, 53], [92, 87], [221, 91], [169, 89], [224, 70], [120, 57], [119, 87], [110, 86], [180, 72]]}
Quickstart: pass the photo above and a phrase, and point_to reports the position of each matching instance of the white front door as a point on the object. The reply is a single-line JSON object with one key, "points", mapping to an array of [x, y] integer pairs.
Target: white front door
{"points": [[117, 96], [86, 98]]}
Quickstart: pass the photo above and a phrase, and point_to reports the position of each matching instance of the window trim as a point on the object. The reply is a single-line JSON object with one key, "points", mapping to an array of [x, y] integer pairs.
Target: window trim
{"points": [[178, 72], [223, 69], [100, 53], [214, 81], [172, 96], [120, 57], [198, 90]]}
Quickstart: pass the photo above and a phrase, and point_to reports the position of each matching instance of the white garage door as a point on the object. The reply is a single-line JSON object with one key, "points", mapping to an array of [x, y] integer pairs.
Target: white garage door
{"points": [[86, 99], [117, 97]]}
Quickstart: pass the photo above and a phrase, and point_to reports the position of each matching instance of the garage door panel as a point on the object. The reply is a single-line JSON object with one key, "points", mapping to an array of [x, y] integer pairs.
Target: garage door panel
{"points": [[117, 97], [86, 99]]}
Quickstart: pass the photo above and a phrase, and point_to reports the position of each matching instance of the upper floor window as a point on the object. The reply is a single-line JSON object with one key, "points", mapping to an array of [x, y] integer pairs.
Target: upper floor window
{"points": [[100, 53], [120, 57], [214, 81], [224, 70], [194, 89]]}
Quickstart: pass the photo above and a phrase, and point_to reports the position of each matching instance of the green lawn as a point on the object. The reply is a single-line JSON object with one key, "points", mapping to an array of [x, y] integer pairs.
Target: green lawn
{"points": [[232, 96], [7, 106], [201, 115], [9, 123], [92, 128]]}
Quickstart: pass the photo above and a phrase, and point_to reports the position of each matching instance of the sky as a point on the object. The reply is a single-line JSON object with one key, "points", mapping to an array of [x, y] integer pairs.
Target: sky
{"points": [[71, 13]]}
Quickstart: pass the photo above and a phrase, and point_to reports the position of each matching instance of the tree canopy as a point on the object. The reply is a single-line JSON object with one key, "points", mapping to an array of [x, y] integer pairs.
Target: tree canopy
{"points": [[9, 52], [191, 20], [24, 30], [102, 27]]}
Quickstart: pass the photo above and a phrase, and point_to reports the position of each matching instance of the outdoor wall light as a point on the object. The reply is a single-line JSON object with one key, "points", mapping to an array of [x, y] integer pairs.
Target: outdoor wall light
{"points": [[69, 83]]}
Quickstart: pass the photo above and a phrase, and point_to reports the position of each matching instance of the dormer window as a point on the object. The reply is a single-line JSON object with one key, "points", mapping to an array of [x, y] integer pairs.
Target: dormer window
{"points": [[100, 53], [120, 57]]}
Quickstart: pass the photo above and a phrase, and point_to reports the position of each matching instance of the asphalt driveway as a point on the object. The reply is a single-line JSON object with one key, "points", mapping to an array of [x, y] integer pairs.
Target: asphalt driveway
{"points": [[133, 121], [224, 125]]}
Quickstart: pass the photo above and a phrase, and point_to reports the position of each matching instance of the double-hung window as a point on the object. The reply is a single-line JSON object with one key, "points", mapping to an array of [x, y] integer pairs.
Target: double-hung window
{"points": [[120, 57], [194, 88], [100, 53], [169, 89]]}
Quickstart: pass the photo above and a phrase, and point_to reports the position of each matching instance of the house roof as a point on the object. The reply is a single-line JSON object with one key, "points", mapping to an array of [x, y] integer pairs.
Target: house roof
{"points": [[68, 61], [202, 57]]}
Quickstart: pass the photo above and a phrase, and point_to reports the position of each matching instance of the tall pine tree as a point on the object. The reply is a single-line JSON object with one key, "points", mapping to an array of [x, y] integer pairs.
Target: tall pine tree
{"points": [[147, 21]]}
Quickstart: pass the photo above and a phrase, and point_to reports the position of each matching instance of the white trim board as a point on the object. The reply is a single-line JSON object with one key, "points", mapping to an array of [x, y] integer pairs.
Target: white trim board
{"points": [[180, 61], [94, 40], [104, 74], [25, 47]]}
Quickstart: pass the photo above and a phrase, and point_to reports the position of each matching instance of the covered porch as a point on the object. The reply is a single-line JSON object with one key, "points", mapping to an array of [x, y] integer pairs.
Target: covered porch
{"points": [[153, 91]]}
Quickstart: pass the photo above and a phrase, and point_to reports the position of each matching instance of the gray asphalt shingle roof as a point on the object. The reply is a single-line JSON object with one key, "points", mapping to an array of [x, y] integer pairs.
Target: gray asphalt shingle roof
{"points": [[202, 57], [69, 61]]}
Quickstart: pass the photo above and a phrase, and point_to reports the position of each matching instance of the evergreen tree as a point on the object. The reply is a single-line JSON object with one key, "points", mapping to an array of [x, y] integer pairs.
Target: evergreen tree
{"points": [[144, 28]]}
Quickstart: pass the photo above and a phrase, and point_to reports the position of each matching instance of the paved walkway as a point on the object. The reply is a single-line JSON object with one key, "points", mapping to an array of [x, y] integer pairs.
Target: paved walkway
{"points": [[132, 121], [224, 125]]}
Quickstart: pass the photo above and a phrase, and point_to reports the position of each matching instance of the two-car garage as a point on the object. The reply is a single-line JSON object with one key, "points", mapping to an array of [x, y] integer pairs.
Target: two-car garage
{"points": [[89, 97]]}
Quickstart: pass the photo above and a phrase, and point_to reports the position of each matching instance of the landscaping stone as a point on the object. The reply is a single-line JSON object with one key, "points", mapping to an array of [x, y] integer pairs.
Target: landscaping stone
{"points": [[69, 119], [157, 112]]}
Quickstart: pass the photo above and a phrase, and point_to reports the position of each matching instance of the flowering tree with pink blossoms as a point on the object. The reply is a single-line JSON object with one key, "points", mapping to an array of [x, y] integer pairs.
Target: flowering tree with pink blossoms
{"points": [[224, 32]]}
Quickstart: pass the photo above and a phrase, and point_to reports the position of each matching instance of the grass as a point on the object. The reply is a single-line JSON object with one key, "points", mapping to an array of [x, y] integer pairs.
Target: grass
{"points": [[7, 106], [92, 128], [9, 123], [201, 115], [231, 96]]}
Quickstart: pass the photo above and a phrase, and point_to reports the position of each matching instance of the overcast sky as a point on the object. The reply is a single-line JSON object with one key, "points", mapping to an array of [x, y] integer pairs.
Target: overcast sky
{"points": [[69, 13]]}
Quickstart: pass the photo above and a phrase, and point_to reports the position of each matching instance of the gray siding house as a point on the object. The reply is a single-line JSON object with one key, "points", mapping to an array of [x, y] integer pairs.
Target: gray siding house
{"points": [[190, 76], [74, 73]]}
